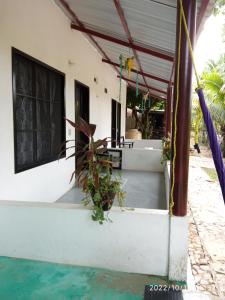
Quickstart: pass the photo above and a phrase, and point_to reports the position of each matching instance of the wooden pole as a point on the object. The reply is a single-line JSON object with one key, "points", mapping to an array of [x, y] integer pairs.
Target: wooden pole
{"points": [[183, 118], [168, 112]]}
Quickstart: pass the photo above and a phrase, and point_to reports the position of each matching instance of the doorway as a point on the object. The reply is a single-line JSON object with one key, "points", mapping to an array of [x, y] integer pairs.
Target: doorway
{"points": [[82, 110], [116, 123]]}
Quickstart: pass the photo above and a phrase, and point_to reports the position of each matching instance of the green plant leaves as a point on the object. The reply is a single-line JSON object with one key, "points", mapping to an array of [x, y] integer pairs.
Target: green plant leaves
{"points": [[84, 127], [93, 171]]}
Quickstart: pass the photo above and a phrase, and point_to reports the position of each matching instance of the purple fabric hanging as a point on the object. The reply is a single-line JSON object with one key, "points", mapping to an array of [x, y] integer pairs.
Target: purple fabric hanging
{"points": [[214, 143]]}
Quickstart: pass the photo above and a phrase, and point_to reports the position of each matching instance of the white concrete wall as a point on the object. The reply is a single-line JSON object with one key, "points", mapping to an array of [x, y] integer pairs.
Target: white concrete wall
{"points": [[167, 182], [155, 144], [142, 159], [178, 248], [40, 29], [136, 241]]}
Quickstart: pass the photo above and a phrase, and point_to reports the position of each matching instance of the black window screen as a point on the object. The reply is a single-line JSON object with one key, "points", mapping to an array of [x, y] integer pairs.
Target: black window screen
{"points": [[39, 125]]}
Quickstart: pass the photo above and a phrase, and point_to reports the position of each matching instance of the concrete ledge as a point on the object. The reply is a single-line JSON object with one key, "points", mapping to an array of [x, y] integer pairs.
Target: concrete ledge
{"points": [[155, 144], [142, 160], [178, 245], [167, 182], [178, 248], [135, 241]]}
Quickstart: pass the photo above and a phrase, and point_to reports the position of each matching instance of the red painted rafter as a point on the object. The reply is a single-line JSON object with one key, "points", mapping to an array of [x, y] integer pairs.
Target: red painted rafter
{"points": [[165, 56], [145, 90], [128, 34], [139, 72], [144, 85], [151, 94], [158, 97], [201, 13], [171, 76], [76, 19]]}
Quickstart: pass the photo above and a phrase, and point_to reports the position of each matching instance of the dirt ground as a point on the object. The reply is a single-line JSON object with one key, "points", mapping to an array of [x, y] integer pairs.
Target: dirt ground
{"points": [[206, 225]]}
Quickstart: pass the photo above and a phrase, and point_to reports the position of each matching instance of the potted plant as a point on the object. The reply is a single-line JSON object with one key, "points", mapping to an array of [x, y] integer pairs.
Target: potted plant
{"points": [[94, 172]]}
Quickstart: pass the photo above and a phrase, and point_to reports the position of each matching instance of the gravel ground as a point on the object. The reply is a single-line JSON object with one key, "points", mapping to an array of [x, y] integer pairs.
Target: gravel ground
{"points": [[207, 228]]}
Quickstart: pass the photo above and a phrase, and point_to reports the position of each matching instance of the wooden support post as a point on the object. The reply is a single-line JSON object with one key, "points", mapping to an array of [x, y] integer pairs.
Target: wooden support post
{"points": [[168, 111], [183, 96]]}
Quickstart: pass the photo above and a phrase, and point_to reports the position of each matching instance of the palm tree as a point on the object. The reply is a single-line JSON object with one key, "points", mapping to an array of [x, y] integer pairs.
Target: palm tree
{"points": [[219, 7], [214, 81]]}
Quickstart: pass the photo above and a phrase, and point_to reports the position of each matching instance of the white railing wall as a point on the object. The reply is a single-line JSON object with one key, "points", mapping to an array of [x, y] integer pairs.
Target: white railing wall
{"points": [[142, 159], [155, 144], [135, 241]]}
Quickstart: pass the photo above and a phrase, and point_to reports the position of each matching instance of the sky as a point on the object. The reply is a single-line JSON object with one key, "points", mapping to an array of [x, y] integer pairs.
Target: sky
{"points": [[210, 45]]}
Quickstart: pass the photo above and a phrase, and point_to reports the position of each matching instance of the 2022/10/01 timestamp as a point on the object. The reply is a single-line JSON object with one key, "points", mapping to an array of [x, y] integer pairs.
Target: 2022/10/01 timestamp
{"points": [[165, 288]]}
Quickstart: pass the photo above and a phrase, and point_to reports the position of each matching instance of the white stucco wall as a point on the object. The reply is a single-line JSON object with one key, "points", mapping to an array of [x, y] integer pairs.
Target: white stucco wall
{"points": [[167, 182], [178, 248], [135, 241], [40, 29], [142, 159], [155, 144]]}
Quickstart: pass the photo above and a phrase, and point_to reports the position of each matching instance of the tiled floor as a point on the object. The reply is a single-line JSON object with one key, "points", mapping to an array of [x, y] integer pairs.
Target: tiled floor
{"points": [[34, 280]]}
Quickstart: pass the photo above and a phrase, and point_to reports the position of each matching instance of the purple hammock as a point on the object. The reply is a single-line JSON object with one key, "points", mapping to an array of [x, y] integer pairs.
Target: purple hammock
{"points": [[214, 143]]}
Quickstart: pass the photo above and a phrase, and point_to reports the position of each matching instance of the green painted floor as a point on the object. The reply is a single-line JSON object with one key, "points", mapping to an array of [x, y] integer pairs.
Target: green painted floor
{"points": [[34, 280]]}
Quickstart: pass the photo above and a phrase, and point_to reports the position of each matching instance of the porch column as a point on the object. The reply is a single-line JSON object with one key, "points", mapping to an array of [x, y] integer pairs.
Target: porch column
{"points": [[168, 111], [184, 92]]}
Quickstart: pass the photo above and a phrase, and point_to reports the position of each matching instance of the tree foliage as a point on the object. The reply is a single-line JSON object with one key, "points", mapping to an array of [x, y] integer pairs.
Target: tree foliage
{"points": [[132, 99], [213, 78], [146, 122], [219, 7], [136, 101]]}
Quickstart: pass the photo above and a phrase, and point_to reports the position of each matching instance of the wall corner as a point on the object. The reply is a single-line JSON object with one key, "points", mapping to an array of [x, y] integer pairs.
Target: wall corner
{"points": [[178, 248]]}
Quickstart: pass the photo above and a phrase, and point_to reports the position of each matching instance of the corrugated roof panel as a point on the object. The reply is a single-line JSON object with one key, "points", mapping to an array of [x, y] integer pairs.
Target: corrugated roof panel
{"points": [[151, 23], [156, 66], [150, 82], [114, 50], [155, 93], [157, 84], [99, 14], [152, 65]]}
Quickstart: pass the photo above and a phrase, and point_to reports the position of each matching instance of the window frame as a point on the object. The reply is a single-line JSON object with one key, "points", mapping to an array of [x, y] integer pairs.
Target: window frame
{"points": [[14, 96]]}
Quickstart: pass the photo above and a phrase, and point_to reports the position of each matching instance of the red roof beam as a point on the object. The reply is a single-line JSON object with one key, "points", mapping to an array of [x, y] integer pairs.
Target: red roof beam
{"points": [[151, 94], [201, 14], [171, 76], [165, 56], [139, 72], [144, 85], [156, 96], [76, 19]]}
